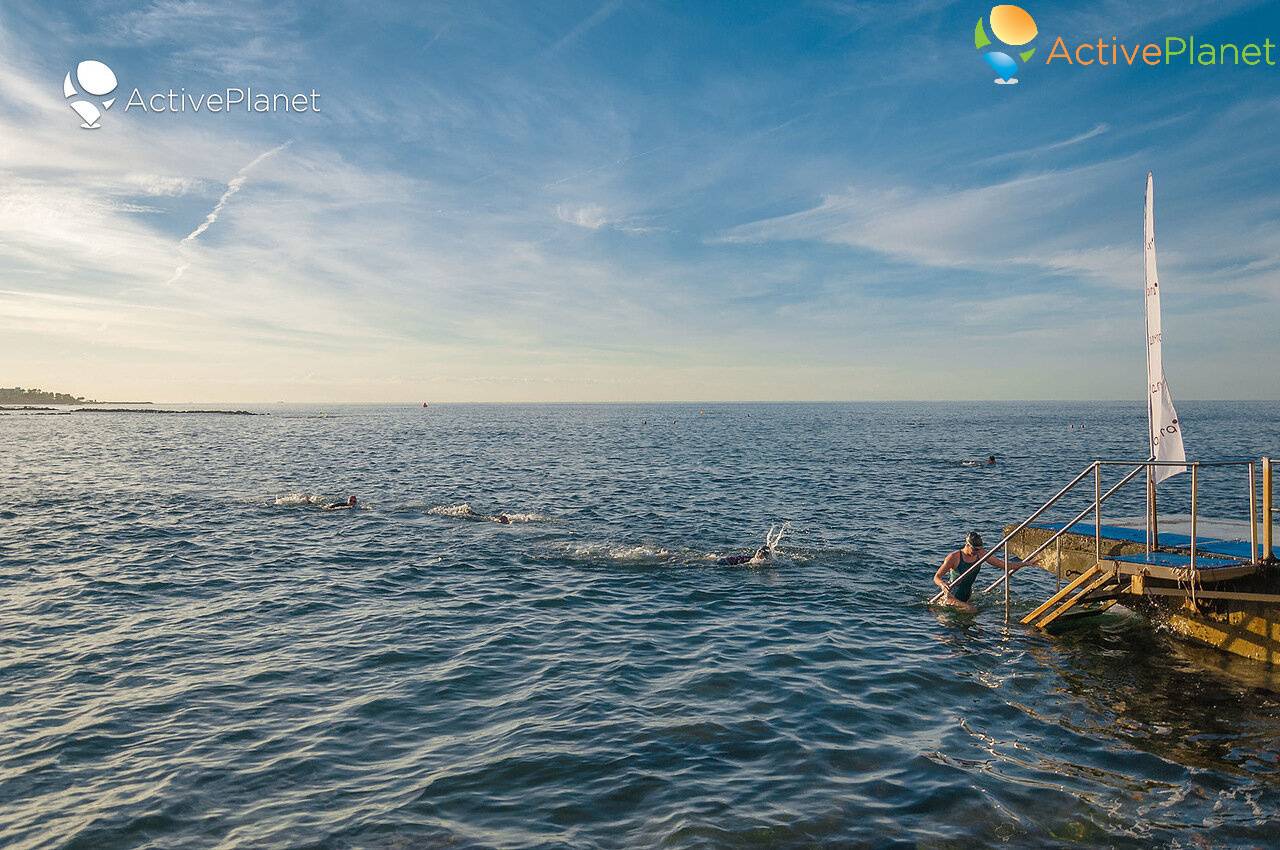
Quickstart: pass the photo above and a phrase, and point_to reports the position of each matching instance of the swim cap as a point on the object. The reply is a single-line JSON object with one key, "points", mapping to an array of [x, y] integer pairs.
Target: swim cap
{"points": [[973, 539]]}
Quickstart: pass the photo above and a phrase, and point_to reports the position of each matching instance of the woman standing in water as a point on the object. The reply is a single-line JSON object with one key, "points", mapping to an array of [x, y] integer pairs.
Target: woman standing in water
{"points": [[960, 571]]}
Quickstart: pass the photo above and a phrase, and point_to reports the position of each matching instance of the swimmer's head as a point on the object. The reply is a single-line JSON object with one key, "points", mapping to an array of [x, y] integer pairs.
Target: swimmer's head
{"points": [[351, 501], [973, 540], [504, 519], [991, 460], [762, 552]]}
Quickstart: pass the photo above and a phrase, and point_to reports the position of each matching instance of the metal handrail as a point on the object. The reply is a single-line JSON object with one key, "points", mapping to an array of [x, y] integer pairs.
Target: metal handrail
{"points": [[1175, 462], [1140, 466], [1022, 525], [1093, 506], [1096, 507]]}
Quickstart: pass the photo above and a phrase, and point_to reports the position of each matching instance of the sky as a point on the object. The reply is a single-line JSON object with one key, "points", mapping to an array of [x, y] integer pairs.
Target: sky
{"points": [[632, 201]]}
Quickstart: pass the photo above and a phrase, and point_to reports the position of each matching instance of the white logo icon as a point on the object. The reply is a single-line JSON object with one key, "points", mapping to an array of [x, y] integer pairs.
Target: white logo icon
{"points": [[96, 79]]}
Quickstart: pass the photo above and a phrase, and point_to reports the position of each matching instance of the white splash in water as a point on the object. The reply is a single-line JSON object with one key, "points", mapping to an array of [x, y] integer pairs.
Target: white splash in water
{"points": [[452, 510], [294, 499]]}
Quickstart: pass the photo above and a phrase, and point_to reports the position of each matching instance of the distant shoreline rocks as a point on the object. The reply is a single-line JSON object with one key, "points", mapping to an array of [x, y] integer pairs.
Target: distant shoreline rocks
{"points": [[23, 395], [50, 411]]}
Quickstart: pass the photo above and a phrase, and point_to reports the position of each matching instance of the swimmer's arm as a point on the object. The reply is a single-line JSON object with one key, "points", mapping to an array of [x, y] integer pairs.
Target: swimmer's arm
{"points": [[948, 563], [1012, 566]]}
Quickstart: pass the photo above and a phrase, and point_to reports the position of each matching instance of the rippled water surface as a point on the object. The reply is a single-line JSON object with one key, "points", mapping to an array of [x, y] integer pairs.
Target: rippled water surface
{"points": [[194, 654]]}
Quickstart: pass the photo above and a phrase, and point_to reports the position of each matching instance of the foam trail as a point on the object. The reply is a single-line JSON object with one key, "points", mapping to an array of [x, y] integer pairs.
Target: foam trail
{"points": [[452, 510], [618, 552], [465, 511], [294, 499]]}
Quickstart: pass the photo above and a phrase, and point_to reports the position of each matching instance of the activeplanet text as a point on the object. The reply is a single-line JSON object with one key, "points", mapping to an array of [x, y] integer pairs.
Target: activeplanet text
{"points": [[1188, 51], [233, 99]]}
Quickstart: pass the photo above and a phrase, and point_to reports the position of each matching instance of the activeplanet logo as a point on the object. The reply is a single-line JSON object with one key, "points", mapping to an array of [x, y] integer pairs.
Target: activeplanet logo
{"points": [[92, 79], [96, 79], [1011, 25]]}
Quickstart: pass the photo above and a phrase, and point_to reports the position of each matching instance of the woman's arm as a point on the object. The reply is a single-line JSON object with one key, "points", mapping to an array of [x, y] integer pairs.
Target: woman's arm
{"points": [[948, 563], [1011, 566]]}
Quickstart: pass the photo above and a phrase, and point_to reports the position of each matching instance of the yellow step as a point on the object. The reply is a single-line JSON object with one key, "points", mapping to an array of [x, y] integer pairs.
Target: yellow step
{"points": [[1058, 597], [1075, 600]]}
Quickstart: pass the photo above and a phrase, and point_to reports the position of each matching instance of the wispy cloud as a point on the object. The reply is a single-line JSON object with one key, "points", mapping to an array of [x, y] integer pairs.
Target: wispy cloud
{"points": [[592, 216], [595, 19], [970, 228], [235, 184], [1093, 133], [595, 217]]}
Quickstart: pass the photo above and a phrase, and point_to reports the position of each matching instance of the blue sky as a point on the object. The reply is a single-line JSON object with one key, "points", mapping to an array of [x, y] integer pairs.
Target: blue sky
{"points": [[632, 201]]}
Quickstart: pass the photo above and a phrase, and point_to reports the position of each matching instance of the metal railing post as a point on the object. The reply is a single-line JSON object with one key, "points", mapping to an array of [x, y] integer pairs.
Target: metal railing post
{"points": [[1006, 581], [1266, 508], [1057, 559], [1097, 510], [1195, 469], [1253, 516], [1151, 505]]}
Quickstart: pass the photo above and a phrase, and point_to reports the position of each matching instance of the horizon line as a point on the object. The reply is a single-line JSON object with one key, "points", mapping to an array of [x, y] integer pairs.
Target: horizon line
{"points": [[386, 403]]}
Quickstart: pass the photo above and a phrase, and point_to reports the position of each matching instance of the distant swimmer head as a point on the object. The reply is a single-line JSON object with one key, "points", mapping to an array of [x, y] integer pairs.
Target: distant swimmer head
{"points": [[351, 501], [973, 540], [763, 553], [503, 518], [991, 460]]}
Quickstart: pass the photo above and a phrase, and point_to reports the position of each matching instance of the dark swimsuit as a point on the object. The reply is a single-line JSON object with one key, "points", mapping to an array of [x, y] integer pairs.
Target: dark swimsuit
{"points": [[734, 560], [962, 589]]}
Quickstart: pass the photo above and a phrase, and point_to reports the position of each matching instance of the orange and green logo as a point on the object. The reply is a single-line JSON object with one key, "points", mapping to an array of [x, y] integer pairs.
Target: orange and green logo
{"points": [[1012, 26]]}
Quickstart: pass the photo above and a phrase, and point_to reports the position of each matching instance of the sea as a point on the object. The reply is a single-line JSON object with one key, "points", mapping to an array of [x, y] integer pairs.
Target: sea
{"points": [[194, 653]]}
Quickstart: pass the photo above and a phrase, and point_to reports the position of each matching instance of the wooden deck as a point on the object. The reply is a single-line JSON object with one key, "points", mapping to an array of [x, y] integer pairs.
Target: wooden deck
{"points": [[1228, 602]]}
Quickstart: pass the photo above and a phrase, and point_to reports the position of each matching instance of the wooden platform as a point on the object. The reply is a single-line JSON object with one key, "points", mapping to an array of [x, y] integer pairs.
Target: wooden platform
{"points": [[1235, 606], [1175, 566]]}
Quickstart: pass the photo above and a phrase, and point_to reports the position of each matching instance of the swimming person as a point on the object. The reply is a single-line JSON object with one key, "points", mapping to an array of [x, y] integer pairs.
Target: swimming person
{"points": [[757, 557], [349, 504], [761, 555], [960, 571]]}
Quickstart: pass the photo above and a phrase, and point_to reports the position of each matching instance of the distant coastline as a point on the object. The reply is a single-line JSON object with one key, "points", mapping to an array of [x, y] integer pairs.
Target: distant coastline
{"points": [[22, 395]]}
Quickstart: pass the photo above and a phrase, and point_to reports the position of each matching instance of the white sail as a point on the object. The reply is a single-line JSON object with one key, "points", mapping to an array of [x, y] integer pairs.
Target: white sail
{"points": [[1164, 429]]}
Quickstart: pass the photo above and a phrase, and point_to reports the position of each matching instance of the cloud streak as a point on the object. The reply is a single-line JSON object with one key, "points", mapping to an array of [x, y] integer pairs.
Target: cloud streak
{"points": [[1079, 138], [973, 228], [235, 184], [595, 19]]}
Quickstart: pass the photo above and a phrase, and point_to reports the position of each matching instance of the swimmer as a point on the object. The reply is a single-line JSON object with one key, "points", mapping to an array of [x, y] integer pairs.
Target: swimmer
{"points": [[762, 555], [958, 571], [758, 557], [503, 519], [349, 504]]}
